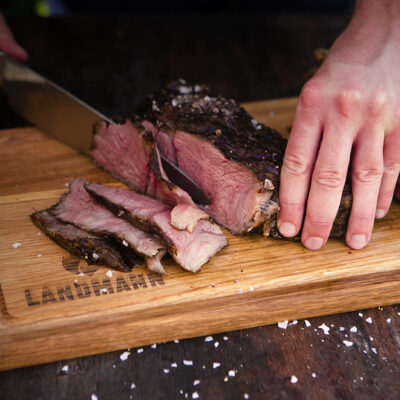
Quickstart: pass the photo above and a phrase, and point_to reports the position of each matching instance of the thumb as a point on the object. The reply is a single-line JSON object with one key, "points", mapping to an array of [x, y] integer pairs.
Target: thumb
{"points": [[8, 43]]}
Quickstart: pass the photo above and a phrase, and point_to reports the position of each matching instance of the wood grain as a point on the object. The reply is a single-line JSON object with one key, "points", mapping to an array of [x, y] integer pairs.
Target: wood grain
{"points": [[52, 306]]}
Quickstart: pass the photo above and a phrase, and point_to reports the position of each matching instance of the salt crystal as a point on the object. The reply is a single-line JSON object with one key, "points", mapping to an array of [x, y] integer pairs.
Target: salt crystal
{"points": [[293, 322], [166, 371], [251, 289], [226, 379], [353, 329], [133, 386], [140, 350], [374, 350], [81, 274], [341, 329], [39, 255], [125, 243], [293, 379], [176, 341], [65, 368], [104, 290], [181, 391], [66, 184], [196, 382], [39, 233], [16, 245], [93, 397], [283, 324], [124, 356], [153, 346], [174, 103], [369, 320], [324, 328], [371, 339], [348, 343], [225, 337], [174, 365], [231, 372], [246, 396], [389, 320], [216, 365], [208, 339], [307, 323], [187, 362], [195, 395], [216, 344], [155, 107], [95, 256], [109, 273], [254, 123], [360, 314], [314, 375]]}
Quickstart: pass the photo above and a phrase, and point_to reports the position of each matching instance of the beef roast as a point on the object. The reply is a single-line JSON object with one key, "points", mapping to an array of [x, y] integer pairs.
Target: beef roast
{"points": [[78, 208], [190, 250], [128, 152], [234, 159], [95, 249]]}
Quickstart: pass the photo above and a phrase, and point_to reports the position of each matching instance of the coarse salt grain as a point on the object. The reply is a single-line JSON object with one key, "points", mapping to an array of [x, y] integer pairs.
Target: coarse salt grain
{"points": [[196, 382], [125, 243], [153, 346], [360, 314], [176, 341], [124, 356], [16, 245], [216, 365], [95, 256], [341, 329], [369, 320], [307, 322], [353, 329], [39, 255], [140, 350], [246, 396], [225, 337], [133, 386], [208, 339], [231, 372], [187, 362], [389, 320], [66, 184], [283, 324], [216, 344], [93, 397], [324, 328], [348, 343], [166, 371], [195, 395], [174, 365], [65, 368], [374, 350], [293, 322], [109, 273], [251, 289], [81, 274], [314, 375], [293, 379]]}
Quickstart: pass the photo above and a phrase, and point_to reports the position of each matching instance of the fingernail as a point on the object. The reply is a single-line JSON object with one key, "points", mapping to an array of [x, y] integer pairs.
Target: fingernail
{"points": [[358, 241], [286, 228], [380, 213], [314, 243]]}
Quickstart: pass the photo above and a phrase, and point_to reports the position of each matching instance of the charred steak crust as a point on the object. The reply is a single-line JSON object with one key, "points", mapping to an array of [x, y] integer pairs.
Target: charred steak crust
{"points": [[86, 245], [229, 127]]}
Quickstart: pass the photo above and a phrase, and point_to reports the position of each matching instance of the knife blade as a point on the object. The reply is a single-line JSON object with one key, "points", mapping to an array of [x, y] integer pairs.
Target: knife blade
{"points": [[67, 118]]}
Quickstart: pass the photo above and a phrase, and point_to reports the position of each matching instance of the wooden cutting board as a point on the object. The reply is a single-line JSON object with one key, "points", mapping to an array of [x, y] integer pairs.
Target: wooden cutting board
{"points": [[54, 306]]}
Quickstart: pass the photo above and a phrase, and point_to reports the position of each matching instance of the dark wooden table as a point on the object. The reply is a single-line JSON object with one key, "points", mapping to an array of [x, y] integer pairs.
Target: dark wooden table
{"points": [[111, 62]]}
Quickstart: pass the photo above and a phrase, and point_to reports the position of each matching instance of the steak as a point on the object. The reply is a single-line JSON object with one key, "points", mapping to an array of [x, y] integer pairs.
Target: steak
{"points": [[189, 249], [234, 159], [129, 153], [95, 249], [78, 208]]}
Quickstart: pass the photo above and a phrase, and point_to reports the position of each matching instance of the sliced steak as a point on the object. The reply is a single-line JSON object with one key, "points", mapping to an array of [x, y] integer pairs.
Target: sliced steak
{"points": [[78, 208], [234, 159], [128, 152], [190, 250], [95, 249]]}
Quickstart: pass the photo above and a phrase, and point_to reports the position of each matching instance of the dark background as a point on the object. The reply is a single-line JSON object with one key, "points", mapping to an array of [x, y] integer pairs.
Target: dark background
{"points": [[111, 61]]}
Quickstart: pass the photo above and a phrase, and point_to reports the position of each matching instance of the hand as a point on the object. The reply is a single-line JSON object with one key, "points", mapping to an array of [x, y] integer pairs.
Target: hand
{"points": [[348, 114], [8, 43]]}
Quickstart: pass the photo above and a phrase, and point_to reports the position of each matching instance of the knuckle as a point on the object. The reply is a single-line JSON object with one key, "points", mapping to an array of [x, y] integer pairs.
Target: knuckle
{"points": [[368, 175], [321, 222], [392, 168], [295, 164], [329, 179], [347, 100], [378, 103], [310, 95]]}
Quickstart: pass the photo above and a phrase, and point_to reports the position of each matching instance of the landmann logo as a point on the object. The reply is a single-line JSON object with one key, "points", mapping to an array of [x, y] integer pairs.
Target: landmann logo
{"points": [[82, 290]]}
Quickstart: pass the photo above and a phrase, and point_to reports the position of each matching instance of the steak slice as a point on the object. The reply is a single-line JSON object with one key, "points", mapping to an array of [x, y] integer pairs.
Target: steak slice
{"points": [[128, 152], [86, 245], [78, 208], [190, 250], [234, 159]]}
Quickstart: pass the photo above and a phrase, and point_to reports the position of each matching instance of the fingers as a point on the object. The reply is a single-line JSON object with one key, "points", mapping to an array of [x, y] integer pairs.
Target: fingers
{"points": [[327, 181], [8, 43], [366, 177], [298, 163], [391, 155]]}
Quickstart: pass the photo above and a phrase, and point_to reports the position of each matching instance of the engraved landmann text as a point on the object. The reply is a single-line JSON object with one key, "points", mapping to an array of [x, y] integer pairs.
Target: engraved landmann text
{"points": [[95, 287]]}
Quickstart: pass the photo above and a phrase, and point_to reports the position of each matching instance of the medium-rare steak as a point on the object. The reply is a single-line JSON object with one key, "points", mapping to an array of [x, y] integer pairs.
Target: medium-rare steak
{"points": [[128, 152], [95, 249], [77, 207], [190, 250], [234, 159]]}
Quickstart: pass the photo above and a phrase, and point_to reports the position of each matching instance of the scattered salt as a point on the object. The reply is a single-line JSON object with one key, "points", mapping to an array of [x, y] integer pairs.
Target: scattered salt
{"points": [[81, 274], [283, 324], [389, 320], [176, 341], [369, 320], [324, 328], [225, 337], [360, 314], [231, 372], [226, 379], [166, 371], [65, 368], [293, 379], [104, 290], [66, 184], [374, 350], [348, 343], [371, 339], [153, 346], [93, 397], [187, 362], [246, 396], [307, 323], [314, 375], [353, 329], [95, 256], [293, 322], [208, 339], [39, 233], [341, 329], [196, 382], [140, 350], [124, 356], [39, 255], [125, 243], [174, 103], [216, 365], [16, 245], [174, 365], [195, 395], [216, 344], [133, 386], [251, 289], [109, 273]]}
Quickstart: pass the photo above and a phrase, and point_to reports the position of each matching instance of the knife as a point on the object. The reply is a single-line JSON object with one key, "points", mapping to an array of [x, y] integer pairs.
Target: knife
{"points": [[67, 118]]}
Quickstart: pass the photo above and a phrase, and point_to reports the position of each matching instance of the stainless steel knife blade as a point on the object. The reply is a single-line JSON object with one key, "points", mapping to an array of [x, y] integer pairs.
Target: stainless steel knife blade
{"points": [[65, 117]]}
